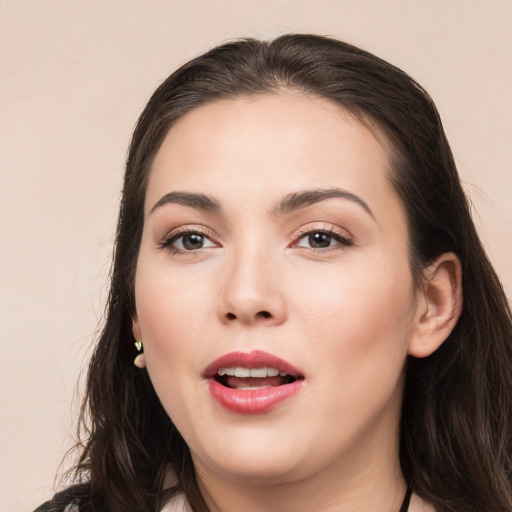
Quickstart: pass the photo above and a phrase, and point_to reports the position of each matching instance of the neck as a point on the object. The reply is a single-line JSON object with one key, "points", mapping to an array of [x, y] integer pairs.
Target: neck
{"points": [[367, 479], [371, 497]]}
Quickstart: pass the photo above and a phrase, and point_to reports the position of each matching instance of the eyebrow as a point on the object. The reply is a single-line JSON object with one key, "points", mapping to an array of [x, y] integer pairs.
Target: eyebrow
{"points": [[298, 200], [289, 203], [197, 201]]}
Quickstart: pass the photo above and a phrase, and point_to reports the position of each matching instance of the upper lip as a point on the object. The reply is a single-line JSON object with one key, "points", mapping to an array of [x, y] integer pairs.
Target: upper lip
{"points": [[254, 359]]}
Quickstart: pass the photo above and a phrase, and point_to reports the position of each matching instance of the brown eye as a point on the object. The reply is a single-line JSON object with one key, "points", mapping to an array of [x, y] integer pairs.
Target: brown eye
{"points": [[319, 240], [323, 240], [187, 241], [192, 241]]}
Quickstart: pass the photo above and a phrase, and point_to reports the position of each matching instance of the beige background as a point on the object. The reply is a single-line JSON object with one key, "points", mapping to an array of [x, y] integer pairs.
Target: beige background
{"points": [[74, 75]]}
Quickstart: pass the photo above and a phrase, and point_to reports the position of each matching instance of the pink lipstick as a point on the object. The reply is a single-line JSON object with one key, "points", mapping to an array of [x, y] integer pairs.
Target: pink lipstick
{"points": [[252, 382]]}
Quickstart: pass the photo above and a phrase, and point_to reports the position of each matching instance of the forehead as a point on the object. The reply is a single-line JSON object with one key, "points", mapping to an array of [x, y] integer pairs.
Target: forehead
{"points": [[274, 144]]}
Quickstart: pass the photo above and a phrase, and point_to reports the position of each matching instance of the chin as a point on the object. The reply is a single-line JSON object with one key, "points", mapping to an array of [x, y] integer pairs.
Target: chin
{"points": [[253, 455], [264, 469]]}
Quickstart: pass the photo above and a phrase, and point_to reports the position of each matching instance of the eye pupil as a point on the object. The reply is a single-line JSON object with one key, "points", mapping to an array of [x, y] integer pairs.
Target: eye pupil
{"points": [[193, 241], [319, 240]]}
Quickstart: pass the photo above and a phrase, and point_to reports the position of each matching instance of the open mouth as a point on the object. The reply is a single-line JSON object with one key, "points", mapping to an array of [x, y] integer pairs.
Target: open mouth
{"points": [[247, 379], [252, 382]]}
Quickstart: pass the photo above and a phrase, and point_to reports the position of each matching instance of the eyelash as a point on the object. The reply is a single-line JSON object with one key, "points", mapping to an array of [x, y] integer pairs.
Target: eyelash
{"points": [[342, 240]]}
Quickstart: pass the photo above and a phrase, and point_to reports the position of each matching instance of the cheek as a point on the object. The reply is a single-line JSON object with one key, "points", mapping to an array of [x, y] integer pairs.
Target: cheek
{"points": [[358, 336], [171, 313], [169, 325], [359, 315], [172, 304]]}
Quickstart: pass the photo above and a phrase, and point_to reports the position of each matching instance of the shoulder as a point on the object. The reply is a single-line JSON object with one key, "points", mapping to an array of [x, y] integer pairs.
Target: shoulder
{"points": [[49, 506], [70, 499], [64, 501], [45, 507]]}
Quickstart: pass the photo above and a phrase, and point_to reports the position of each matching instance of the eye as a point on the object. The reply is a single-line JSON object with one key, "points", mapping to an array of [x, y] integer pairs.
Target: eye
{"points": [[187, 241], [322, 239]]}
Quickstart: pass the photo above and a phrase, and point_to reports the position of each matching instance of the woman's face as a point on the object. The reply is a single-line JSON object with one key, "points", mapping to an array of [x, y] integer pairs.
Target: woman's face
{"points": [[273, 242]]}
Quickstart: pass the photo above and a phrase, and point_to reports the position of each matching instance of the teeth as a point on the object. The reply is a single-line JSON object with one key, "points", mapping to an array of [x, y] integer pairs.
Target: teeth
{"points": [[226, 371], [240, 371], [258, 372]]}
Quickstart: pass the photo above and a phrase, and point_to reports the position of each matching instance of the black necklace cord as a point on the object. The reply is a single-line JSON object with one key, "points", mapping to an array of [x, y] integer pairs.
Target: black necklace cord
{"points": [[407, 499]]}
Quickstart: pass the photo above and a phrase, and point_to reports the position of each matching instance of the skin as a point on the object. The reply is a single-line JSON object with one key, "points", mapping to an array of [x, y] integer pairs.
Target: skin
{"points": [[347, 315]]}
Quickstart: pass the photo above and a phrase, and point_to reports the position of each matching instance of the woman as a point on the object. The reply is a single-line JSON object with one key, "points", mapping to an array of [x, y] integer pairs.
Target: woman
{"points": [[321, 328]]}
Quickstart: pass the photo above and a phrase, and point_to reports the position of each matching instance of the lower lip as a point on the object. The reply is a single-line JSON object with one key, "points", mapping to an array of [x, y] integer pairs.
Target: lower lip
{"points": [[253, 401]]}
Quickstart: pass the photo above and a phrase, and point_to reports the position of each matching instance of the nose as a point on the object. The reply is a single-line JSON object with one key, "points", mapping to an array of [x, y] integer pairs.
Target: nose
{"points": [[252, 292]]}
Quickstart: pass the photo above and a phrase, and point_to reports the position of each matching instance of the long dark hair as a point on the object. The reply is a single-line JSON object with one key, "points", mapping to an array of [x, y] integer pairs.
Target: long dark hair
{"points": [[456, 435]]}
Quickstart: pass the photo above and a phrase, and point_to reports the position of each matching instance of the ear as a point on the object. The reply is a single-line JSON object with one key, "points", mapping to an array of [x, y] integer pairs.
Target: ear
{"points": [[140, 359], [136, 327], [439, 305]]}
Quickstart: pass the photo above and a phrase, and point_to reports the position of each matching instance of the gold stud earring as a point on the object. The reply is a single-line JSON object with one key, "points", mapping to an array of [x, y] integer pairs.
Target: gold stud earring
{"points": [[140, 360]]}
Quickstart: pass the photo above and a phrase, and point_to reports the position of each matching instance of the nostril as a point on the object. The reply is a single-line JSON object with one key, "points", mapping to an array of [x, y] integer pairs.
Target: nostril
{"points": [[259, 314]]}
